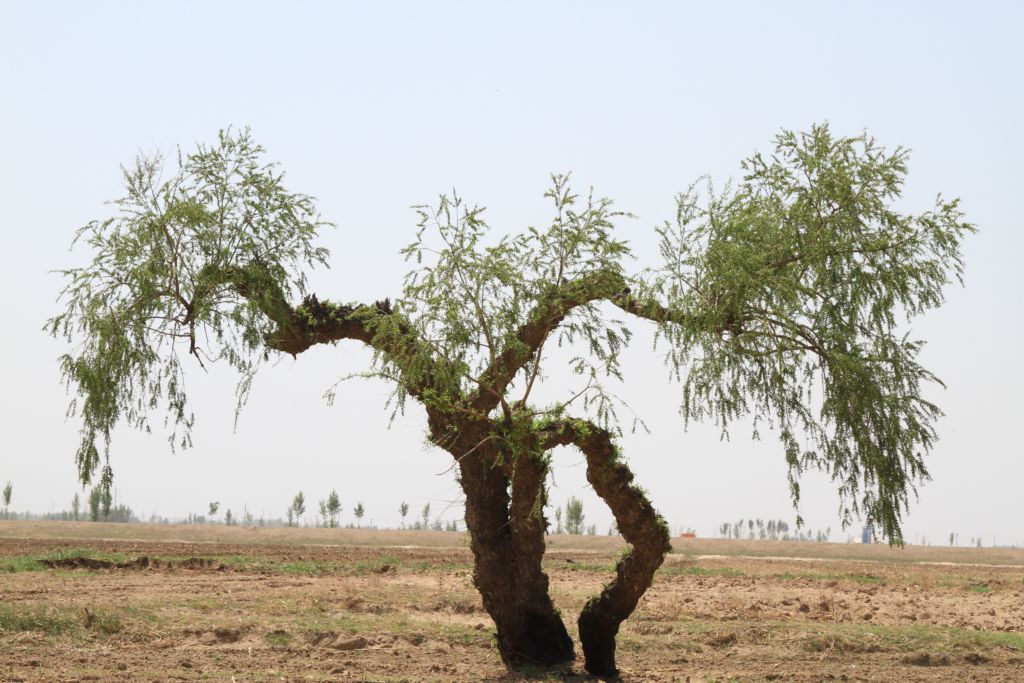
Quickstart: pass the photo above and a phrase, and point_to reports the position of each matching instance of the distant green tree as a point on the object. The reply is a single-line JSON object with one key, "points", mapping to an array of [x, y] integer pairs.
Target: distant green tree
{"points": [[229, 520], [214, 506], [558, 520], [783, 297], [7, 492], [106, 502], [95, 499], [298, 507], [76, 507], [403, 510], [359, 511], [333, 509], [574, 516], [425, 514]]}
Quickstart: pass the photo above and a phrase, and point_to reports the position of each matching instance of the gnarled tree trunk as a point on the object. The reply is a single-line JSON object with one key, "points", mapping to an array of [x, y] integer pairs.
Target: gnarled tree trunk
{"points": [[504, 500], [639, 524]]}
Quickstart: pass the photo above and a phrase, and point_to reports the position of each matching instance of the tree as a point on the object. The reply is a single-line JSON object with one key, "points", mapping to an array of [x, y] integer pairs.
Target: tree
{"points": [[333, 508], [403, 510], [574, 516], [558, 520], [95, 496], [782, 297], [359, 511], [425, 514], [214, 506], [106, 502], [298, 508], [76, 507], [7, 492], [229, 520]]}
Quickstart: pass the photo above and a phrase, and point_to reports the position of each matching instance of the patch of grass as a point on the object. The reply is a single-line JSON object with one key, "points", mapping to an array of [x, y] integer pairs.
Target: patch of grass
{"points": [[36, 563], [696, 570], [58, 621], [104, 622], [22, 563], [979, 588], [35, 618], [247, 563], [869, 579], [279, 638], [377, 565], [584, 566], [865, 638]]}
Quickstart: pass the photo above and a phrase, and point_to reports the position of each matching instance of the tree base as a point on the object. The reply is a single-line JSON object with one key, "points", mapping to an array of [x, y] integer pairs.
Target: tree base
{"points": [[541, 641], [597, 635]]}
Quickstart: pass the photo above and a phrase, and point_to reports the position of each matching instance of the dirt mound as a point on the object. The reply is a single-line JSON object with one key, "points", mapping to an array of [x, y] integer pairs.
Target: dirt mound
{"points": [[144, 562], [79, 563]]}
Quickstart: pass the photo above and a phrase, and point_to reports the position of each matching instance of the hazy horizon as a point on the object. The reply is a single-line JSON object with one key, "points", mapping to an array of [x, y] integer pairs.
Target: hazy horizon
{"points": [[376, 108]]}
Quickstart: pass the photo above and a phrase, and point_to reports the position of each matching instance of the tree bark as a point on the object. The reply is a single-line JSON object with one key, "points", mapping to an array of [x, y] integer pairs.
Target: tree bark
{"points": [[638, 522], [504, 503]]}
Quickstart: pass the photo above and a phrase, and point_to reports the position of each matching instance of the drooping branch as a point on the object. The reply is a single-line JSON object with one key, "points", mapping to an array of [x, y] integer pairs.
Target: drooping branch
{"points": [[638, 522]]}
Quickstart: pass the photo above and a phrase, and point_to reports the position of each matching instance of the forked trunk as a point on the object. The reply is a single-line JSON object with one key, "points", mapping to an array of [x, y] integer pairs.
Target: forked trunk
{"points": [[507, 539], [642, 528]]}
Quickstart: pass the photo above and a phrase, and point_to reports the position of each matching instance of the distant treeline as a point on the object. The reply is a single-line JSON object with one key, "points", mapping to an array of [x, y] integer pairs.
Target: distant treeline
{"points": [[770, 530]]}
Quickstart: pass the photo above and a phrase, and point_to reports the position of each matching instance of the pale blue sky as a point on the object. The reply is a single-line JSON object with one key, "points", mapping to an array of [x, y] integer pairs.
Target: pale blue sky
{"points": [[373, 107]]}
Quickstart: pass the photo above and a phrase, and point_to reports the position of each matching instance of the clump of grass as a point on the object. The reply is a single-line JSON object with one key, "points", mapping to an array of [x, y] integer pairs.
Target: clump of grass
{"points": [[278, 638], [35, 618], [864, 638], [22, 563], [696, 570], [870, 579], [37, 563], [104, 622], [82, 552], [58, 620]]}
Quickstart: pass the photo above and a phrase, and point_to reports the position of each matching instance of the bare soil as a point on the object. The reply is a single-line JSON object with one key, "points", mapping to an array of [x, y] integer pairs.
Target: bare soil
{"points": [[96, 602]]}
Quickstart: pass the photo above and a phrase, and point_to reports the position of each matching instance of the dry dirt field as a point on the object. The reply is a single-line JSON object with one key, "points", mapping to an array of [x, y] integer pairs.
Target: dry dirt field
{"points": [[104, 602]]}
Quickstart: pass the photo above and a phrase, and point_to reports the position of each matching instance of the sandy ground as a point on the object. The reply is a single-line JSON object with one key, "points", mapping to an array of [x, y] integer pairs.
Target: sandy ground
{"points": [[332, 605]]}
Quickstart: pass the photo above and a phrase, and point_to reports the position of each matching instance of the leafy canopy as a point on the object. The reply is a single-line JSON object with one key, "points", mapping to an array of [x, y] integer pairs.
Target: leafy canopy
{"points": [[784, 297]]}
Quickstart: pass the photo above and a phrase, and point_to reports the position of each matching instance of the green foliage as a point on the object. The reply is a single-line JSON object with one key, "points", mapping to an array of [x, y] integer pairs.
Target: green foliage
{"points": [[403, 510], [798, 281], [574, 516], [100, 503], [473, 296], [359, 511], [160, 280], [786, 297], [333, 508], [297, 509], [8, 491]]}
